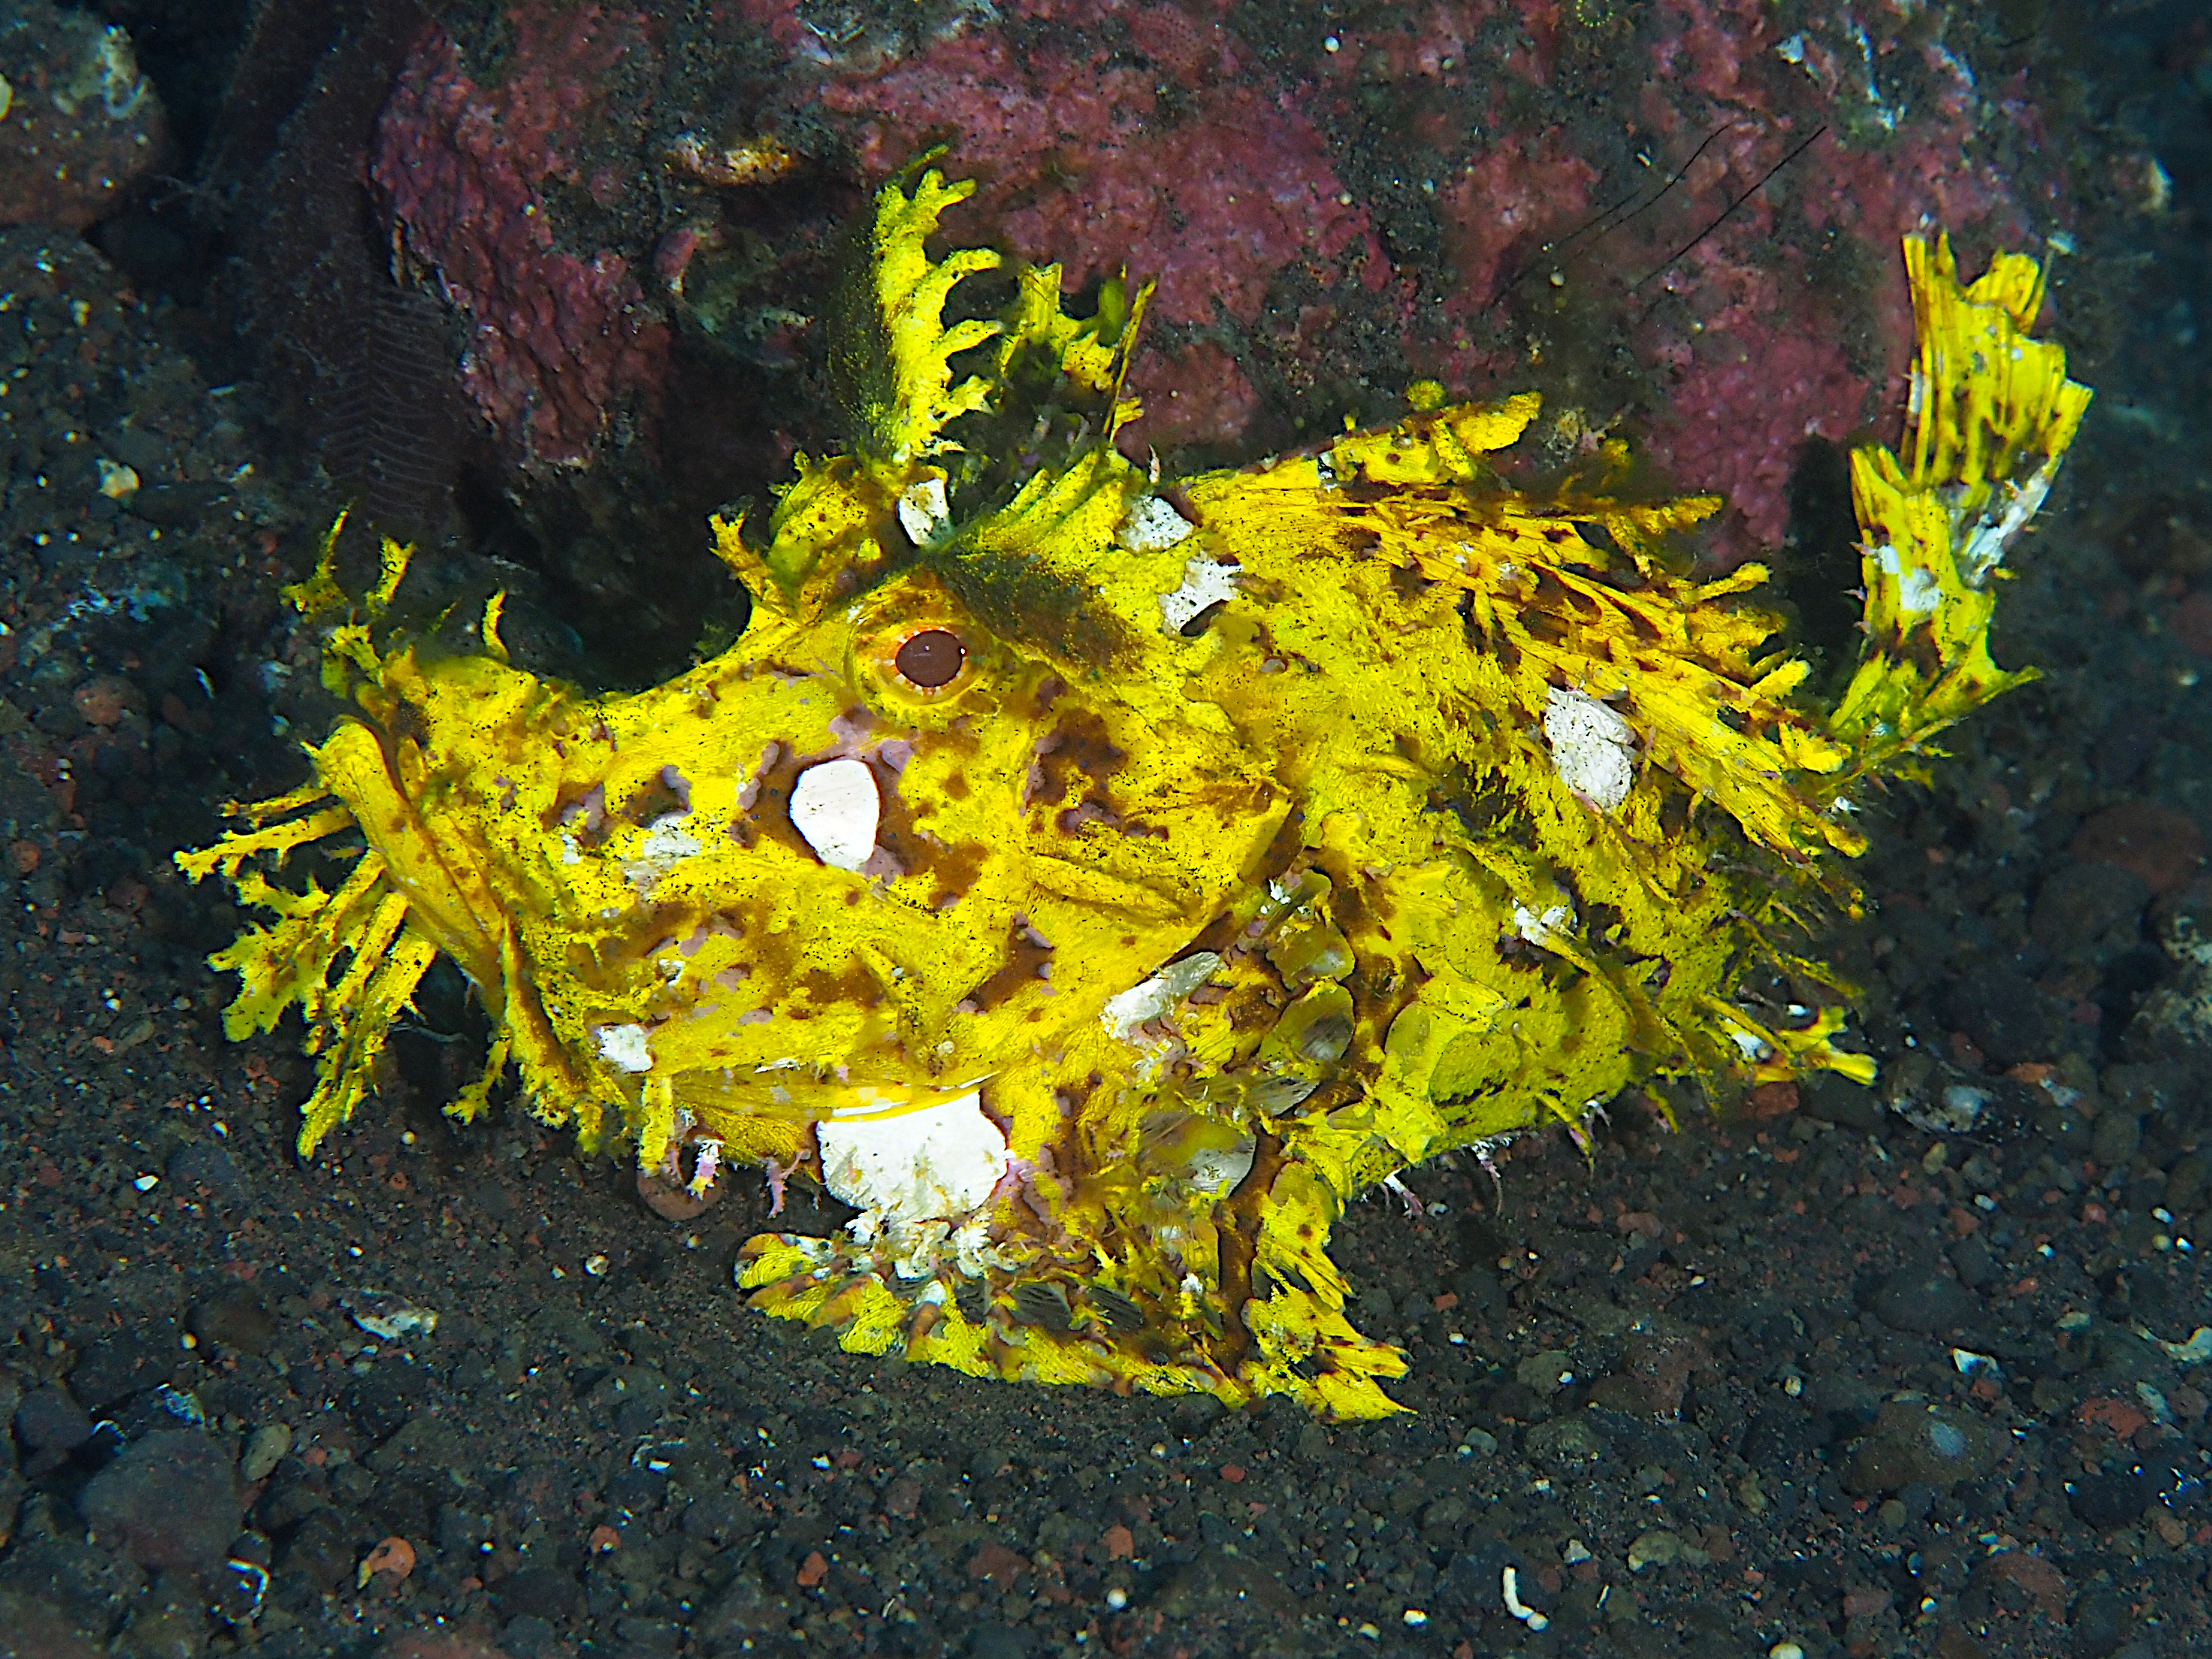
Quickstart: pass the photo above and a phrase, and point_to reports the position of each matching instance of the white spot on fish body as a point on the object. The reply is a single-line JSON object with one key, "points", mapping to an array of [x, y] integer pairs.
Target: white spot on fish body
{"points": [[668, 841], [1919, 591], [1152, 526], [835, 808], [1142, 1004], [1593, 747], [1204, 583], [626, 1047], [1541, 928], [923, 511], [928, 1164]]}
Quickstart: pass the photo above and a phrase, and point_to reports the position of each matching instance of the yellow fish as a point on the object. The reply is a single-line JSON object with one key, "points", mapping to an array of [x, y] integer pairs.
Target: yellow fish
{"points": [[1095, 881]]}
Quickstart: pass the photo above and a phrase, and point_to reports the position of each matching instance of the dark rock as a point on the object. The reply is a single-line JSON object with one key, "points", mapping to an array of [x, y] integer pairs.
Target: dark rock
{"points": [[2187, 1181], [437, 1644], [11, 1401], [323, 1548], [2122, 1358], [634, 1395], [1565, 1443], [2158, 842], [91, 1584], [993, 1640], [1924, 1445], [51, 1425], [1838, 1100], [382, 1402], [2102, 1622], [2085, 904], [125, 1363], [236, 1321], [537, 1593], [291, 1499], [652, 1635], [169, 1621], [746, 1608], [1971, 1261], [1651, 1378], [603, 1591], [716, 1517], [2010, 1021], [1471, 1578], [2117, 1138], [1513, 1401], [1924, 1301], [1778, 1434], [637, 1491], [175, 507], [1212, 1580], [204, 1165], [170, 1500], [30, 1629], [2114, 1498], [527, 1636]]}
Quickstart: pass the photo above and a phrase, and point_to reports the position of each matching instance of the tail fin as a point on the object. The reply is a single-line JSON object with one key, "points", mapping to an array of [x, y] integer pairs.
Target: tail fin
{"points": [[1990, 415]]}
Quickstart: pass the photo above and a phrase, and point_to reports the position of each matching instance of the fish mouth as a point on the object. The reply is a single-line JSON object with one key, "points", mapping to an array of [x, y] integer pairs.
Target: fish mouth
{"points": [[1184, 1256]]}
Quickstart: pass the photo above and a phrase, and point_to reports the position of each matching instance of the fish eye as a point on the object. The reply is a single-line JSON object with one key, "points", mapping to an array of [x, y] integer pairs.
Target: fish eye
{"points": [[931, 658]]}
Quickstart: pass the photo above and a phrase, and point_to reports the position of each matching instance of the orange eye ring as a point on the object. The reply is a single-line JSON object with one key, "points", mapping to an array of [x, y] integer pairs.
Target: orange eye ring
{"points": [[930, 659]]}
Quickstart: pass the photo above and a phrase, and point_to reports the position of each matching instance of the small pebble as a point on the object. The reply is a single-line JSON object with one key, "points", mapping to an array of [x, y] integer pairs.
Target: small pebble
{"points": [[170, 1500]]}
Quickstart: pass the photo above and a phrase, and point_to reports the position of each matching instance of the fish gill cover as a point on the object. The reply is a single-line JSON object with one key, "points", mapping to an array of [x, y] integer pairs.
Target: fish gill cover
{"points": [[1097, 880]]}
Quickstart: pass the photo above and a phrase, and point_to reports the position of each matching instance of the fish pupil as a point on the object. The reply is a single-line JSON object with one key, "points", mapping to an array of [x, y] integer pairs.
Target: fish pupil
{"points": [[931, 658]]}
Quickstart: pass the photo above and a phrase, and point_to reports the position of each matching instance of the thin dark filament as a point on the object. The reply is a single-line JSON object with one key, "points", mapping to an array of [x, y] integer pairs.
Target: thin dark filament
{"points": [[1722, 216], [1605, 223], [1576, 235]]}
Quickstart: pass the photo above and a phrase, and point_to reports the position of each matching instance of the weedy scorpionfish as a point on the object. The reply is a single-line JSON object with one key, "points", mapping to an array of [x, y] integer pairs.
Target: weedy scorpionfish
{"points": [[1095, 880]]}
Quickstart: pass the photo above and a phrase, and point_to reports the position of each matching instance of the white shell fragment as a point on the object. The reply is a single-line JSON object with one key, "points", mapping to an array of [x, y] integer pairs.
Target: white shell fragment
{"points": [[117, 482], [930, 1163], [625, 1048], [668, 841], [1542, 928], [391, 1319], [1204, 582], [923, 511], [1593, 747], [1152, 526], [1142, 1004], [835, 806], [1954, 1112]]}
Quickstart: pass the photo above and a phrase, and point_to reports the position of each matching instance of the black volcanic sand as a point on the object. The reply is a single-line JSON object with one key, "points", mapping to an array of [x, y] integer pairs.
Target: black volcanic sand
{"points": [[1838, 1378]]}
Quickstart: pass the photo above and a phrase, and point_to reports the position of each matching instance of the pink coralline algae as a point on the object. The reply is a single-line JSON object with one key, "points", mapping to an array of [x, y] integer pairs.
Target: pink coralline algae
{"points": [[1374, 193], [1766, 313], [1211, 194], [1194, 396], [1502, 202], [560, 337], [1762, 347], [1078, 164]]}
